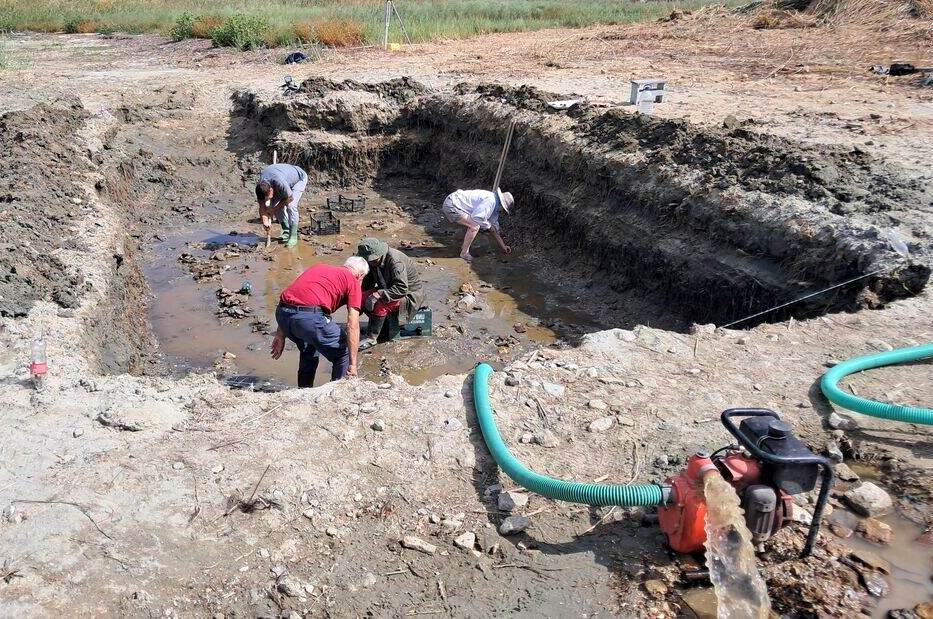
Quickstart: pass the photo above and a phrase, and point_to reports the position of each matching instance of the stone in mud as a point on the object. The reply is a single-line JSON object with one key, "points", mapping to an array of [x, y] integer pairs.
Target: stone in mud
{"points": [[844, 473], [600, 425], [840, 530], [655, 588], [924, 610], [514, 524], [508, 501], [869, 500], [874, 531], [416, 543], [875, 584], [869, 560]]}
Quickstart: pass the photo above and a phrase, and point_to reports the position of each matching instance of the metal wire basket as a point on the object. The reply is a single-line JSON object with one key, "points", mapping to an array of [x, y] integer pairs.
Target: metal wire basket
{"points": [[325, 222], [347, 204]]}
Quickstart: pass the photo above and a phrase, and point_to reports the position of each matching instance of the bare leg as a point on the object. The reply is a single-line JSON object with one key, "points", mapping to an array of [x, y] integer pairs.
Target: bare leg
{"points": [[471, 231]]}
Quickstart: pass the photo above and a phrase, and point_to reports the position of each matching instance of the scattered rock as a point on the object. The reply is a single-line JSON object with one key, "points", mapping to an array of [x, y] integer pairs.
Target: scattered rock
{"points": [[924, 610], [508, 501], [178, 466], [514, 524], [600, 425], [368, 408], [217, 469], [546, 439], [838, 422], [369, 580], [106, 418], [332, 531], [77, 432], [870, 560], [592, 372], [655, 588], [553, 389], [378, 425], [874, 531], [875, 584], [625, 420], [598, 405], [869, 500], [526, 437], [844, 473], [519, 327], [832, 450], [661, 461], [465, 540], [839, 530], [416, 543], [512, 381], [290, 587]]}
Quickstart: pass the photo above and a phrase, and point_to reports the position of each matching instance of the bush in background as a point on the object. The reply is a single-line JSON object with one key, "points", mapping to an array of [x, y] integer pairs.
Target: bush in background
{"points": [[183, 27], [241, 31], [338, 32]]}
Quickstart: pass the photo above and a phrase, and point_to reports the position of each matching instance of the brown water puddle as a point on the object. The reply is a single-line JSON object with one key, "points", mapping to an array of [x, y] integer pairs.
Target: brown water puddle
{"points": [[191, 335]]}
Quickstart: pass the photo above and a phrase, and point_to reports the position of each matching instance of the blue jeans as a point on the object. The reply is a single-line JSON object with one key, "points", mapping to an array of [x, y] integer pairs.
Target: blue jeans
{"points": [[315, 333]]}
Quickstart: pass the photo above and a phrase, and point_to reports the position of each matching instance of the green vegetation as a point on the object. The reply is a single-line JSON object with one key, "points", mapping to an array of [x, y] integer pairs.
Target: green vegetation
{"points": [[248, 24]]}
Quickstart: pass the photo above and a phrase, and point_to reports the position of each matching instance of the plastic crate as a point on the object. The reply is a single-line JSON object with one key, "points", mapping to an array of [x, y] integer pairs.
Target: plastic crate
{"points": [[347, 204], [325, 222], [421, 324]]}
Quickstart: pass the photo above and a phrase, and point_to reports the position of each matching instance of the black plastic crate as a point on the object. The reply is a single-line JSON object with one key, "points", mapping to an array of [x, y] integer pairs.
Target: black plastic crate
{"points": [[347, 204], [325, 222]]}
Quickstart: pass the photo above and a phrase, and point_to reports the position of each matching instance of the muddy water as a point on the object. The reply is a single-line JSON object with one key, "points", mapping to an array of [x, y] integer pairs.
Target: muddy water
{"points": [[191, 335]]}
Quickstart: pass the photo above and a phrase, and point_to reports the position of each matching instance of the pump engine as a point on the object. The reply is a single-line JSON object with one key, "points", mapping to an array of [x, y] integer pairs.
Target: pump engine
{"points": [[767, 468]]}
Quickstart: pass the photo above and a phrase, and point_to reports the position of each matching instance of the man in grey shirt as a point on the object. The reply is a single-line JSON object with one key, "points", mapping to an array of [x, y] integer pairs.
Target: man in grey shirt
{"points": [[278, 191]]}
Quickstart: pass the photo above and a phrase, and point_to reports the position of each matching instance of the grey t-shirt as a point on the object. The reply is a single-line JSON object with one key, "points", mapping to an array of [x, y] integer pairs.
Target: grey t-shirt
{"points": [[282, 177]]}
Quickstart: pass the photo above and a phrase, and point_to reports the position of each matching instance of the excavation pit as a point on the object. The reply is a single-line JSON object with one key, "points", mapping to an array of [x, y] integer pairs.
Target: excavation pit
{"points": [[620, 220]]}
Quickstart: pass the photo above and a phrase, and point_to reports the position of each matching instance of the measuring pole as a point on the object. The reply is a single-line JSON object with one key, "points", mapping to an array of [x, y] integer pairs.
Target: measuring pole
{"points": [[505, 153], [388, 20]]}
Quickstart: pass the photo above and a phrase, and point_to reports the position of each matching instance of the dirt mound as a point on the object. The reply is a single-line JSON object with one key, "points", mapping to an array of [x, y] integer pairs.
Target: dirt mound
{"points": [[844, 179], [400, 89], [39, 202]]}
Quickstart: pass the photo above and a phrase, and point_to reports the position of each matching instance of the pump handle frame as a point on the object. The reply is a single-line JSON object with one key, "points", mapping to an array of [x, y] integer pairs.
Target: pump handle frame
{"points": [[826, 466]]}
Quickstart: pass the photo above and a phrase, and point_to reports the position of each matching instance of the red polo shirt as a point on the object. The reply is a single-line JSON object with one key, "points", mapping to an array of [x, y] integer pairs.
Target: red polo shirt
{"points": [[326, 286]]}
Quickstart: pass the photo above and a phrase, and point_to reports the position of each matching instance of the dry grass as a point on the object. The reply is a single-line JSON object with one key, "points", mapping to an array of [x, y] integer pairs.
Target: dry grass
{"points": [[202, 27], [774, 19], [339, 32]]}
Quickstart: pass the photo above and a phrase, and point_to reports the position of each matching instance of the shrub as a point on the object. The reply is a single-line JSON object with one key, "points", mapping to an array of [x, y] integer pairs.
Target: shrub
{"points": [[183, 28], [338, 32], [76, 25], [241, 31]]}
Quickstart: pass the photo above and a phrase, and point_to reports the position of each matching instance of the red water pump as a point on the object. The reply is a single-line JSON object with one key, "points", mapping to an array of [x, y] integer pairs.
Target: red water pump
{"points": [[767, 468]]}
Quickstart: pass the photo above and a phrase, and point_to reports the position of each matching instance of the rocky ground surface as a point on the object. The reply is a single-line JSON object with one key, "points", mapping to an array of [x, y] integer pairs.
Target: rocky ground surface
{"points": [[141, 495]]}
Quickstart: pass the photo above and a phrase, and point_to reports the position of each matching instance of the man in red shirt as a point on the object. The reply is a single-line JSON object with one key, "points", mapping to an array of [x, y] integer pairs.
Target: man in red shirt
{"points": [[304, 317]]}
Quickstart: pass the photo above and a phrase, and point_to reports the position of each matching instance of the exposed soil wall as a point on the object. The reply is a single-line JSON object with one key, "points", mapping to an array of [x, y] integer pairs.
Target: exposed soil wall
{"points": [[39, 202], [717, 222]]}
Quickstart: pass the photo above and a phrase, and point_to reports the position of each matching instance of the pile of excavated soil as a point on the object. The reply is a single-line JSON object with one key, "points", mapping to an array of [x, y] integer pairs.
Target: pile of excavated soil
{"points": [[39, 204]]}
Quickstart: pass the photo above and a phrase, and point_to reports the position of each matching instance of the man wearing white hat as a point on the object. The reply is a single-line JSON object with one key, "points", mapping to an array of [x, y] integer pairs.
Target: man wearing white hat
{"points": [[475, 210]]}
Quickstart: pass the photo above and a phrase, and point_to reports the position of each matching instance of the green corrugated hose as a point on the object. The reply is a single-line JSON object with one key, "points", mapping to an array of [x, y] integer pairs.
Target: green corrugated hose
{"points": [[575, 492], [909, 414]]}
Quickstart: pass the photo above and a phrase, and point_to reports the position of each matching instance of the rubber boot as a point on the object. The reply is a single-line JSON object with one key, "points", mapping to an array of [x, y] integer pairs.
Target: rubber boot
{"points": [[372, 331], [286, 231], [293, 236]]}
